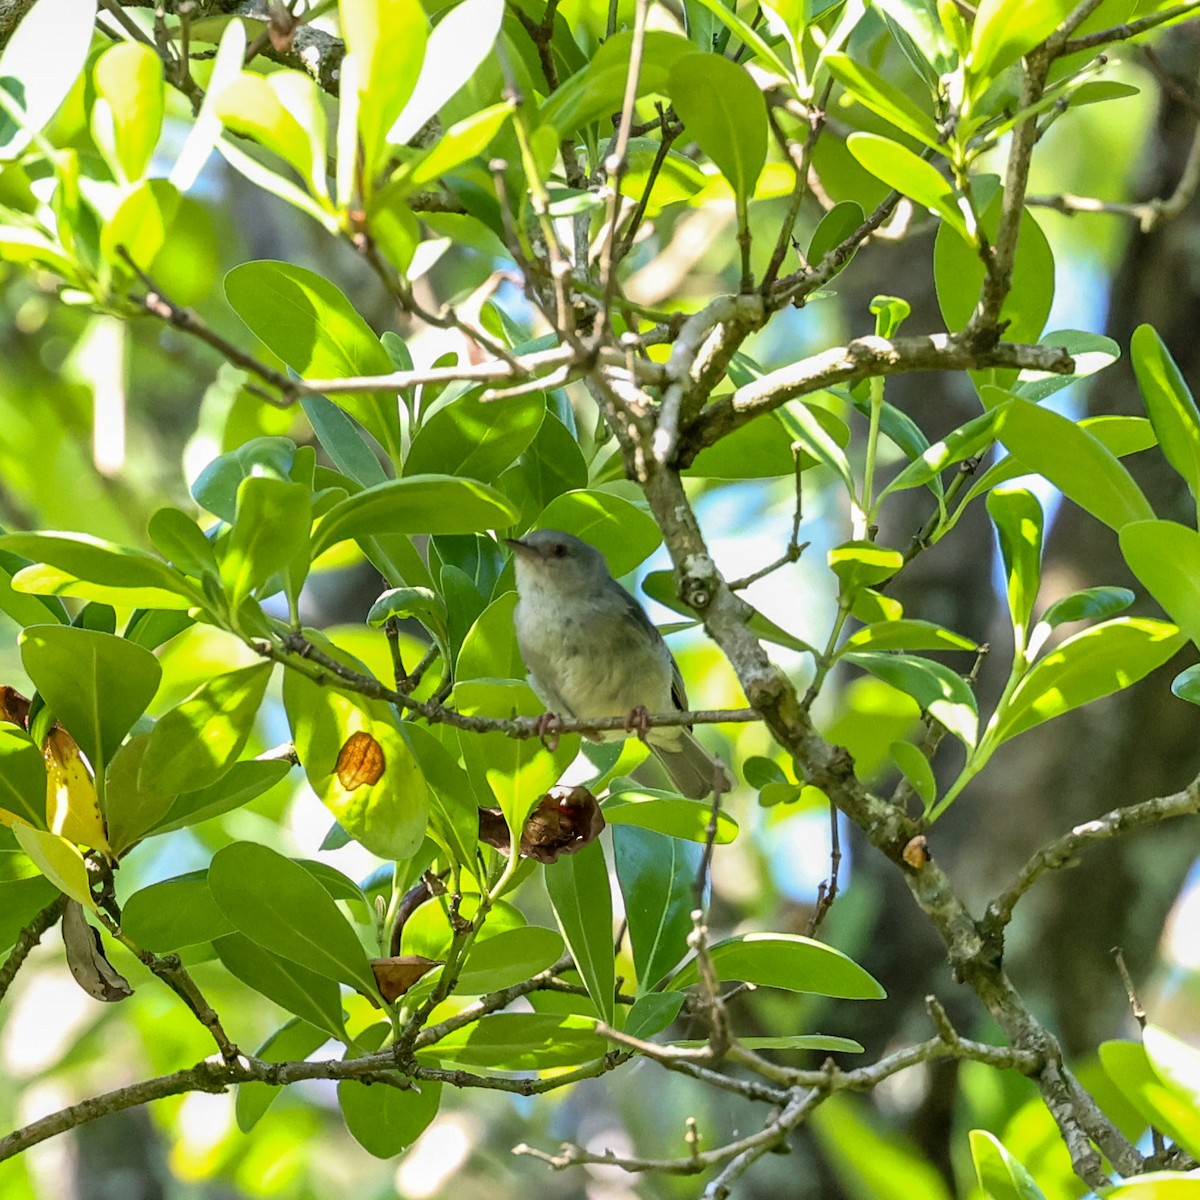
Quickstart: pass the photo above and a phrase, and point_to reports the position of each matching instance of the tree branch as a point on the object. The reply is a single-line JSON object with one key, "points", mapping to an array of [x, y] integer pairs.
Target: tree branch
{"points": [[29, 937]]}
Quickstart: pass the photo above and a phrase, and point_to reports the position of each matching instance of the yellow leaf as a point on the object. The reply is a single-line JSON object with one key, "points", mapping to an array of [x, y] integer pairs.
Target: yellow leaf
{"points": [[72, 809], [58, 860]]}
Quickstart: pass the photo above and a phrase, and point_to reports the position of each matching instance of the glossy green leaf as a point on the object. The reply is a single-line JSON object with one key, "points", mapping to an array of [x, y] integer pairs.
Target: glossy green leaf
{"points": [[1087, 605], [1018, 518], [624, 533], [386, 1120], [310, 324], [278, 904], [884, 98], [1005, 30], [834, 228], [657, 876], [1156, 1185], [582, 901], [489, 651], [26, 609], [1177, 1064], [1129, 1066], [1165, 556], [129, 109], [453, 813], [789, 961], [808, 425], [965, 442], [243, 782], [863, 564], [901, 169], [40, 80], [1169, 403], [652, 1013], [96, 684], [416, 504], [462, 141], [216, 487], [907, 634], [196, 742], [669, 814], [1092, 664], [1075, 462], [307, 994], [724, 111], [521, 1042], [292, 1042], [182, 543], [388, 40], [1001, 1176], [342, 440], [1091, 352], [175, 913], [471, 438], [940, 691], [381, 802], [22, 775], [126, 575], [1186, 685], [271, 530], [915, 768], [507, 958], [748, 34], [130, 809]]}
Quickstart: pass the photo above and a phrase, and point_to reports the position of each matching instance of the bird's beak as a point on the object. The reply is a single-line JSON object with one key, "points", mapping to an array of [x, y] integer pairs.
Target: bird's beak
{"points": [[519, 546]]}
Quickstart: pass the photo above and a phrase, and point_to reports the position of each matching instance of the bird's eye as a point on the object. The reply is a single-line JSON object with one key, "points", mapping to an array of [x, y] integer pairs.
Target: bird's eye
{"points": [[558, 550]]}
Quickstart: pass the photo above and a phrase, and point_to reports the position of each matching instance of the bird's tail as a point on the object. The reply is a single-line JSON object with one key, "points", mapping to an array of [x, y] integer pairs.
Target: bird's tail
{"points": [[692, 769]]}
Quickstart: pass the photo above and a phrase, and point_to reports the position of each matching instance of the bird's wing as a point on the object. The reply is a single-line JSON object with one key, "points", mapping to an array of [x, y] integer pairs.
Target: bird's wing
{"points": [[637, 614]]}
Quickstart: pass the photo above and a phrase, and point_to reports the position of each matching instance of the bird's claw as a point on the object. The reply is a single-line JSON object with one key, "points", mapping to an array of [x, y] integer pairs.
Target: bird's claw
{"points": [[547, 727], [638, 721]]}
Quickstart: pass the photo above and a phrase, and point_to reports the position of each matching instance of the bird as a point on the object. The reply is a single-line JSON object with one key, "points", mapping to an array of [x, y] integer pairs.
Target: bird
{"points": [[591, 651]]}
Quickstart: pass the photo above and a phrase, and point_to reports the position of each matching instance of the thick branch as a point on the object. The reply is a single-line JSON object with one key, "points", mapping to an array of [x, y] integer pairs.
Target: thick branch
{"points": [[859, 359]]}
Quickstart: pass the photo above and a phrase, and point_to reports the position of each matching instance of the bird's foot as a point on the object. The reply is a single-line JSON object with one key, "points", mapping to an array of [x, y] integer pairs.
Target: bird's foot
{"points": [[547, 727], [638, 721]]}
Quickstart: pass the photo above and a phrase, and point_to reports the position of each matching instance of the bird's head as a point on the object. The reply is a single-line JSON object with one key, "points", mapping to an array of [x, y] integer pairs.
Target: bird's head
{"points": [[552, 560]]}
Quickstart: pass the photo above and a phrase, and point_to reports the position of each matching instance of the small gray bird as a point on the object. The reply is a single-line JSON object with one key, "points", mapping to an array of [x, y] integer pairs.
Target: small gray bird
{"points": [[591, 651]]}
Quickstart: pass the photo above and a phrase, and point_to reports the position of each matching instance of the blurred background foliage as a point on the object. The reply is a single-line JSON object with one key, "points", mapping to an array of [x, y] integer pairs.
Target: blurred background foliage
{"points": [[103, 421]]}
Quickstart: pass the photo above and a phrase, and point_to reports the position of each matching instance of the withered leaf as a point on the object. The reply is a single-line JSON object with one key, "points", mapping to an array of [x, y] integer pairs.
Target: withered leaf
{"points": [[916, 852], [565, 820], [394, 976], [360, 761], [85, 957], [14, 708], [72, 809]]}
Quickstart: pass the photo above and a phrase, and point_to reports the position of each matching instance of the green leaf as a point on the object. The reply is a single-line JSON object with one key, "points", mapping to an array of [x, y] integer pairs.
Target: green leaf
{"points": [[582, 901], [940, 691], [243, 782], [175, 913], [1017, 515], [747, 34], [1086, 605], [123, 575], [462, 141], [388, 40], [1186, 685], [453, 813], [1075, 462], [1001, 1176], [386, 1120], [863, 564], [96, 684], [965, 442], [342, 440], [652, 1013], [724, 111], [415, 504], [489, 651], [310, 324], [305, 993], [624, 533], [1177, 1064], [832, 230], [808, 425], [358, 764], [38, 78], [657, 876], [1169, 403], [760, 449], [278, 904], [521, 1041], [1091, 352], [789, 961], [1165, 556], [669, 814], [1129, 1066], [22, 776], [916, 769], [901, 169], [460, 43], [26, 609], [884, 98], [292, 1042], [182, 543], [1005, 30], [1156, 1185], [507, 958], [216, 487], [131, 810], [270, 531], [473, 438], [907, 634], [1092, 664], [196, 742], [128, 113]]}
